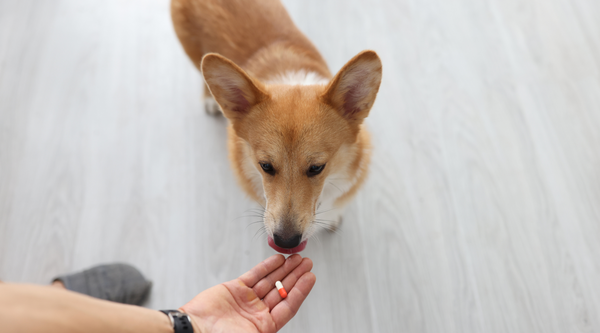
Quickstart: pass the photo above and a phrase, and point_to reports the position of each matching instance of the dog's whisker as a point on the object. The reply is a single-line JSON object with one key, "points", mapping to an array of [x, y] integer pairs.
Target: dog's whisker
{"points": [[259, 229], [262, 230], [314, 236], [334, 230], [254, 213], [338, 178], [252, 223], [246, 216], [317, 213], [263, 233], [250, 209], [323, 220], [263, 207], [266, 211], [327, 225], [323, 226], [249, 215], [332, 184]]}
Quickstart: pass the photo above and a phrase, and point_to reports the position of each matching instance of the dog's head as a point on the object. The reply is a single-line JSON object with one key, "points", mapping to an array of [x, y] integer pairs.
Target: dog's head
{"points": [[296, 135]]}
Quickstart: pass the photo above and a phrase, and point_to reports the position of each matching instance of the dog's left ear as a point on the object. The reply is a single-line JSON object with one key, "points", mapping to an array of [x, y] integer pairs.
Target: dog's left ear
{"points": [[353, 90]]}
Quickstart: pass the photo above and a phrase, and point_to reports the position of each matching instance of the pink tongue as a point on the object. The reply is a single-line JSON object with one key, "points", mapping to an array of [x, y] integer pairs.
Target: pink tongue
{"points": [[287, 251]]}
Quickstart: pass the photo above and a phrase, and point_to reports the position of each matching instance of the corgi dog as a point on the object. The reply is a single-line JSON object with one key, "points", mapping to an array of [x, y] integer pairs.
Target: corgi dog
{"points": [[296, 139]]}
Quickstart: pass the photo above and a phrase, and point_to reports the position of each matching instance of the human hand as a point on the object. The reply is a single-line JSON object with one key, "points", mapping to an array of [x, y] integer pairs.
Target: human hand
{"points": [[251, 303]]}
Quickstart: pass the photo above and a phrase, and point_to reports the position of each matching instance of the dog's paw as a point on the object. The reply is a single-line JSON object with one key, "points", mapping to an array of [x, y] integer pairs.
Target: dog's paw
{"points": [[211, 107]]}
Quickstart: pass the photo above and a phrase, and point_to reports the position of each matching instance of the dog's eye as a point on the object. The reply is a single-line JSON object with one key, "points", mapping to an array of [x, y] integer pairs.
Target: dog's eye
{"points": [[315, 170], [268, 168]]}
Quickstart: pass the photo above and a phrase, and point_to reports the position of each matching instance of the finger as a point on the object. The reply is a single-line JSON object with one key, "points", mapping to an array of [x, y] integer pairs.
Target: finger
{"points": [[287, 309], [273, 297], [262, 287], [261, 270]]}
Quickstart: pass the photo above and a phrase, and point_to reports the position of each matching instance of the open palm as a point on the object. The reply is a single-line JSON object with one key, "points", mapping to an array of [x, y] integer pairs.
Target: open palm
{"points": [[251, 303]]}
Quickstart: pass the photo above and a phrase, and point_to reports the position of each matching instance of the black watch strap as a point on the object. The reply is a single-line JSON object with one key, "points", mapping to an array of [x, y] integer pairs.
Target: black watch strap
{"points": [[181, 321]]}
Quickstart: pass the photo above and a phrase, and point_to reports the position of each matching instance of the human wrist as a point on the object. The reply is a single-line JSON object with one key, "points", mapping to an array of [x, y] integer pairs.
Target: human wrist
{"points": [[165, 323], [196, 322]]}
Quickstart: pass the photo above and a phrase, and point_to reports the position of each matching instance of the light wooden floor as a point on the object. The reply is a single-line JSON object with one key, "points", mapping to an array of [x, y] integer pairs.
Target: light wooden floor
{"points": [[481, 214]]}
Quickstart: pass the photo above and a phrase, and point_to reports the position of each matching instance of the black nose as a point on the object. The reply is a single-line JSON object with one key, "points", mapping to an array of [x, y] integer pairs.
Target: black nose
{"points": [[287, 242]]}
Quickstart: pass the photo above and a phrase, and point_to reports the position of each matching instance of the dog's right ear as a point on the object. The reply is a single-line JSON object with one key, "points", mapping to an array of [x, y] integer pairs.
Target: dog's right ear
{"points": [[353, 90], [234, 90]]}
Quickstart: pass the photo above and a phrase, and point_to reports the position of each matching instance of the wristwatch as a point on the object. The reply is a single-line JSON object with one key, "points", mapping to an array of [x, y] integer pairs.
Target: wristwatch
{"points": [[181, 321]]}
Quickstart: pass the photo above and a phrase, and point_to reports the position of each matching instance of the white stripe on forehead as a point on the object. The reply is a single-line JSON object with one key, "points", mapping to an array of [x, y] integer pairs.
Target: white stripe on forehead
{"points": [[301, 77]]}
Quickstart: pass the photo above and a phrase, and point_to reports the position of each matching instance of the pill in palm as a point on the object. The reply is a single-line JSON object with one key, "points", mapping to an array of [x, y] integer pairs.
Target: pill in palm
{"points": [[281, 290]]}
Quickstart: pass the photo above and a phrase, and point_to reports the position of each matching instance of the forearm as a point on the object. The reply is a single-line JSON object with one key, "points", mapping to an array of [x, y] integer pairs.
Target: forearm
{"points": [[32, 308]]}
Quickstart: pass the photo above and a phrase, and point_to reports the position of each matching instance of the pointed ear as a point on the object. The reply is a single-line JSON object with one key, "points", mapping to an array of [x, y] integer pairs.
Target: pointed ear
{"points": [[234, 90], [353, 90]]}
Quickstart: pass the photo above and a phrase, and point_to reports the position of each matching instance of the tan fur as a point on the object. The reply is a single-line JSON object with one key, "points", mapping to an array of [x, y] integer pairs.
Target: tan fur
{"points": [[244, 48]]}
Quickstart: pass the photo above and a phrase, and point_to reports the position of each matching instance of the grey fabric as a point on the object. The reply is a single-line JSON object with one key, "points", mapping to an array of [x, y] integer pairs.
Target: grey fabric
{"points": [[115, 282]]}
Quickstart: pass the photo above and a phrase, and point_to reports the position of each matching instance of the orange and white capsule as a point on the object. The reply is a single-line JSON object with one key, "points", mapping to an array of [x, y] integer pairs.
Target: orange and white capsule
{"points": [[282, 291]]}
